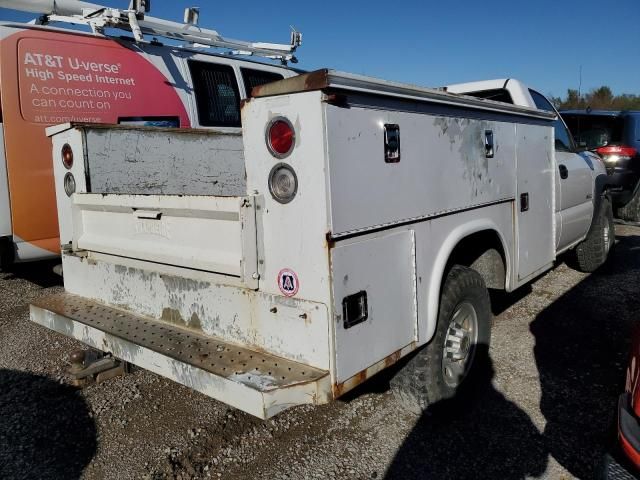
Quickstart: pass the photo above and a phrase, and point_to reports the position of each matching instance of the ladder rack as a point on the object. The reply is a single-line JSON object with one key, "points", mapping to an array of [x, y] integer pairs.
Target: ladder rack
{"points": [[135, 20]]}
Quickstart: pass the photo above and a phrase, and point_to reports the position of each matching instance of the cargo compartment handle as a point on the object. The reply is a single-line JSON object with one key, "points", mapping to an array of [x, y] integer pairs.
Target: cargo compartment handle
{"points": [[150, 214]]}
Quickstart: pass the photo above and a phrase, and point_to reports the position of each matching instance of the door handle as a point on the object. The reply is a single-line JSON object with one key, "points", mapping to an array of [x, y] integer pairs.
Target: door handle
{"points": [[488, 143], [564, 172], [148, 214]]}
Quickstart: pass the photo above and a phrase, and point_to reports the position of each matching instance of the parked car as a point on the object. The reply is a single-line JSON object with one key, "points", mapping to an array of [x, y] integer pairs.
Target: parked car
{"points": [[615, 136], [624, 460]]}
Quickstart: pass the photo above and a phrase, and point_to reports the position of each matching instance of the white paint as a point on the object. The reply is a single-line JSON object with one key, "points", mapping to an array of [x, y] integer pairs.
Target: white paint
{"points": [[5, 206], [535, 178], [383, 267], [296, 331], [574, 195], [215, 234]]}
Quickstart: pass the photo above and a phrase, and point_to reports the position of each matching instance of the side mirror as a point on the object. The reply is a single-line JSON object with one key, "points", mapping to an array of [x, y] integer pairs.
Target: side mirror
{"points": [[581, 146]]}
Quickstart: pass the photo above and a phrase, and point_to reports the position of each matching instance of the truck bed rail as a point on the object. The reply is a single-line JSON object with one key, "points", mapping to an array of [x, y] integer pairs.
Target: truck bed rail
{"points": [[340, 81]]}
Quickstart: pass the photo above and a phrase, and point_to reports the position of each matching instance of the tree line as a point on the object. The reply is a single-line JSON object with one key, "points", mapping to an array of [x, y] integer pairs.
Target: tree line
{"points": [[601, 98]]}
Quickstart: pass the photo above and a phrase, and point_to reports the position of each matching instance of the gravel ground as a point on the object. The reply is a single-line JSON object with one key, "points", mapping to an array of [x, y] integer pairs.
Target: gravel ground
{"points": [[545, 408]]}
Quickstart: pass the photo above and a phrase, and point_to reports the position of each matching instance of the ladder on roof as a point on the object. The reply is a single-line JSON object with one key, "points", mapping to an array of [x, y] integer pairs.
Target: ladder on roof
{"points": [[135, 20]]}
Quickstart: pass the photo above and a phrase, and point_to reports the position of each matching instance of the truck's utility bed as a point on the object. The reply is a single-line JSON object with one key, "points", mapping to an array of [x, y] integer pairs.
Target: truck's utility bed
{"points": [[256, 382]]}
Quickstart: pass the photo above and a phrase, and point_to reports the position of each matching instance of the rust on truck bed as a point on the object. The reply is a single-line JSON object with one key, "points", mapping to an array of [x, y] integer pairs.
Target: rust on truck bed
{"points": [[302, 83], [257, 369]]}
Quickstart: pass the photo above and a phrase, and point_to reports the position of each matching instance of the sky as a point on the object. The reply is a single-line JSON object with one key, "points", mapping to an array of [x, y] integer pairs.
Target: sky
{"points": [[543, 43]]}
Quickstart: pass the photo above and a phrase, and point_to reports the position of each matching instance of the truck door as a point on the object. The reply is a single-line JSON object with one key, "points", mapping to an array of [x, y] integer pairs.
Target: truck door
{"points": [[575, 199]]}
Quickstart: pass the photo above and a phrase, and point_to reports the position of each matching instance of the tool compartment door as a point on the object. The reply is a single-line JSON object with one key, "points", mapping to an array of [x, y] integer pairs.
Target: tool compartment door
{"points": [[383, 267], [535, 201], [214, 234]]}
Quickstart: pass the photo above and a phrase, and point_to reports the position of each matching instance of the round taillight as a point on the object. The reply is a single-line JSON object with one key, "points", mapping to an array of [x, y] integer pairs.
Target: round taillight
{"points": [[67, 156], [283, 183], [69, 184], [280, 137]]}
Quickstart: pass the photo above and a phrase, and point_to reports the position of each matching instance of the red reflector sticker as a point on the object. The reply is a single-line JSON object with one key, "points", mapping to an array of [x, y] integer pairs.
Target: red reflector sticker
{"points": [[288, 282]]}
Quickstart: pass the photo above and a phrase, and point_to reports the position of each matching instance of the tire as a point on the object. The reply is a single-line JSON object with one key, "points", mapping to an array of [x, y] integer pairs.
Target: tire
{"points": [[6, 253], [594, 250], [631, 211], [422, 380]]}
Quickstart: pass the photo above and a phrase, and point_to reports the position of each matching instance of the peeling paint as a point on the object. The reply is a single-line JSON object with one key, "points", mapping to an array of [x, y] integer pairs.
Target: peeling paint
{"points": [[237, 315], [255, 380], [130, 161]]}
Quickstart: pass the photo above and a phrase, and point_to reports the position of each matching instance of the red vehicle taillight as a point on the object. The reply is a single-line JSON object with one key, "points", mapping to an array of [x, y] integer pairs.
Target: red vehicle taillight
{"points": [[280, 137], [613, 153], [67, 156]]}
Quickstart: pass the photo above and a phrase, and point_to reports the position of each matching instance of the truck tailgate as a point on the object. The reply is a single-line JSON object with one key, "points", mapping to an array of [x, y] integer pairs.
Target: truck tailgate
{"points": [[163, 161], [214, 234]]}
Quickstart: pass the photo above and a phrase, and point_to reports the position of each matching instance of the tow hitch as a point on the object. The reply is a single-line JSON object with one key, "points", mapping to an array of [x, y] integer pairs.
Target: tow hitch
{"points": [[92, 366]]}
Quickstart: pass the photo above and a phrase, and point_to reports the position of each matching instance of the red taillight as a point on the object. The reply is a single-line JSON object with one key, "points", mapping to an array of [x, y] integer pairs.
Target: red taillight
{"points": [[280, 137], [67, 156], [621, 151]]}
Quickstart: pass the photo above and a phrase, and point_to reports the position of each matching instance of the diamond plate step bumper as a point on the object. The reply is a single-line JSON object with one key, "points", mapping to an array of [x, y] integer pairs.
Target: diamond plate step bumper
{"points": [[255, 382]]}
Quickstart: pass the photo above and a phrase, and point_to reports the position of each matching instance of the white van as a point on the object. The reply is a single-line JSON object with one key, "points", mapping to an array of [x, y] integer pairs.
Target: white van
{"points": [[53, 75]]}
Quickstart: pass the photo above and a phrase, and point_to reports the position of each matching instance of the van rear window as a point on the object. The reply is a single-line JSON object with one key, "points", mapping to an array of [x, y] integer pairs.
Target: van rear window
{"points": [[593, 131], [255, 78], [217, 94]]}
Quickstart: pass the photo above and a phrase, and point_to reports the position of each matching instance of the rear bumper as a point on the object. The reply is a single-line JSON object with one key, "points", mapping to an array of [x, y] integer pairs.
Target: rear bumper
{"points": [[255, 382]]}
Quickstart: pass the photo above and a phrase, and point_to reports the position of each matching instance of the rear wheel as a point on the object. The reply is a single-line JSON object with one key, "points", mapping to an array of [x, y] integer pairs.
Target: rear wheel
{"points": [[453, 357], [6, 252], [631, 211], [594, 250]]}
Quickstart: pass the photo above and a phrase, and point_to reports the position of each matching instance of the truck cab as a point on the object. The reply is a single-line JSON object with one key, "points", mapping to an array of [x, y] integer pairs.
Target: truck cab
{"points": [[580, 177]]}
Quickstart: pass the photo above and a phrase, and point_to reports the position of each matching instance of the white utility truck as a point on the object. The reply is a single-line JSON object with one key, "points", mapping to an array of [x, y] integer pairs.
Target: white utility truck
{"points": [[365, 224]]}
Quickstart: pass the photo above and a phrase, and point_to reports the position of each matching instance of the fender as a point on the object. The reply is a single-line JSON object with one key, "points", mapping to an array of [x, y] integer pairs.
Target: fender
{"points": [[599, 192], [455, 236]]}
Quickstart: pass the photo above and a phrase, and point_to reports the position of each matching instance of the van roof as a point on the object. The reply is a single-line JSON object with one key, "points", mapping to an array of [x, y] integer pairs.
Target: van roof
{"points": [[203, 51]]}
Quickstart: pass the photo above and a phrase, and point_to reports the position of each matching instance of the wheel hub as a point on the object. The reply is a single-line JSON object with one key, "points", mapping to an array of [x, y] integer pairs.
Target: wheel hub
{"points": [[459, 344]]}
